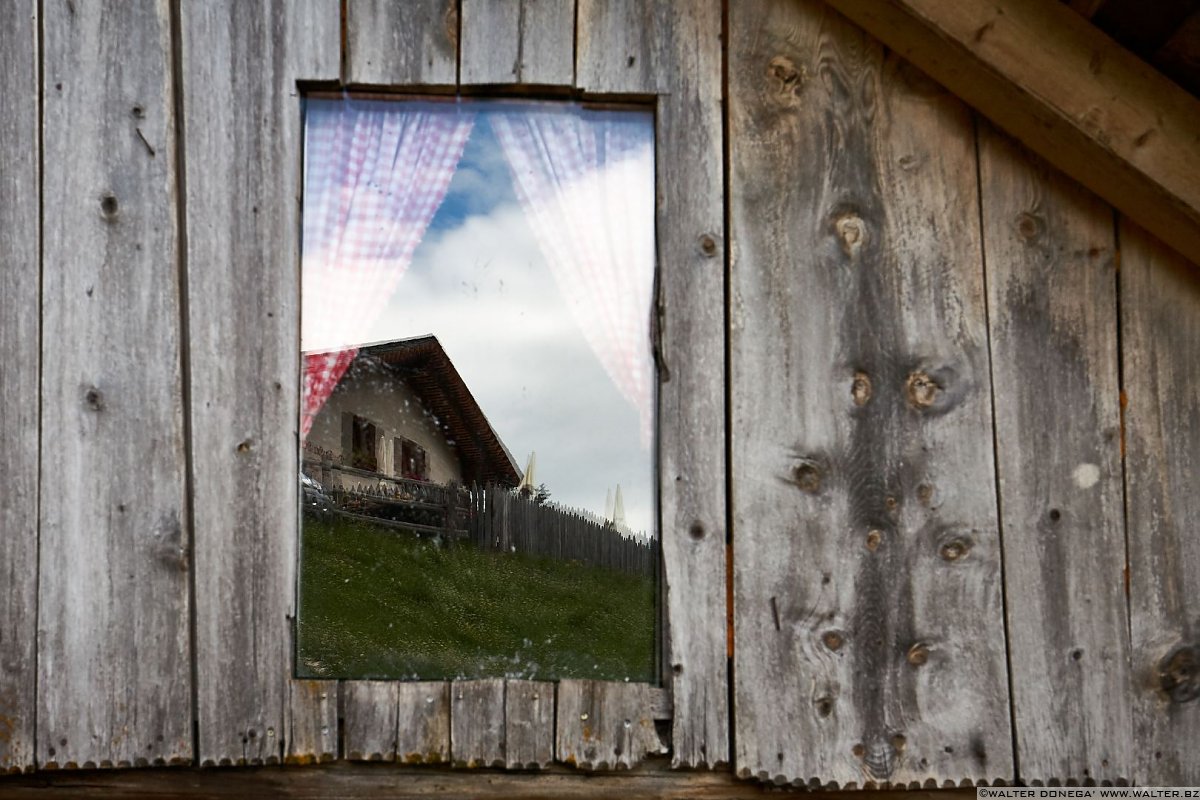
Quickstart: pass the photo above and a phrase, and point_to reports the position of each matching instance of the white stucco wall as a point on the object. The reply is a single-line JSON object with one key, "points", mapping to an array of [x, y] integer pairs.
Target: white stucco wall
{"points": [[396, 411]]}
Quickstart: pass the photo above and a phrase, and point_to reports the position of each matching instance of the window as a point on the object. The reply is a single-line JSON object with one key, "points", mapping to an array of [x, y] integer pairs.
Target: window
{"points": [[362, 447], [477, 276], [410, 460]]}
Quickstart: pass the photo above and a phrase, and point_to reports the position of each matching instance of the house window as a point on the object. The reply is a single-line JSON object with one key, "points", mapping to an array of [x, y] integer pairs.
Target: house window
{"points": [[410, 459], [478, 275], [363, 453]]}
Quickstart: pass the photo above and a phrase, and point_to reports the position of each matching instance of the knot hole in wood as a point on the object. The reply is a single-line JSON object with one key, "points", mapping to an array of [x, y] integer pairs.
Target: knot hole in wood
{"points": [[787, 79]]}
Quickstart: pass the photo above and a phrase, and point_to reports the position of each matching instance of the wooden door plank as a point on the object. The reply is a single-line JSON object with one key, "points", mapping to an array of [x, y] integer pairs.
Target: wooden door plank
{"points": [[605, 725], [518, 42], [1052, 309], [410, 43], [312, 732], [529, 724], [547, 42], [371, 709], [868, 611], [477, 723], [614, 44], [114, 671], [690, 340], [491, 41], [242, 154], [1160, 325], [423, 723], [20, 346]]}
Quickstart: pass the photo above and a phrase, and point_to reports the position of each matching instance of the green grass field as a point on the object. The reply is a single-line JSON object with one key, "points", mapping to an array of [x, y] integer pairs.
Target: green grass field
{"points": [[381, 603]]}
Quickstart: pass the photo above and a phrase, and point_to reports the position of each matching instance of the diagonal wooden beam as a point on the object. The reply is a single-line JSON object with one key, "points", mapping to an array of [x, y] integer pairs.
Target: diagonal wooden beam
{"points": [[1071, 94]]}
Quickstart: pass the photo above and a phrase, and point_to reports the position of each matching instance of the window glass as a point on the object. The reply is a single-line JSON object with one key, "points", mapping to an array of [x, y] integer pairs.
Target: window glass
{"points": [[478, 391]]}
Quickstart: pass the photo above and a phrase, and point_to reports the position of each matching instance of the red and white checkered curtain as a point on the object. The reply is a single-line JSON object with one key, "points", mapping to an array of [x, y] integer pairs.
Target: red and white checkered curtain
{"points": [[375, 174], [585, 180]]}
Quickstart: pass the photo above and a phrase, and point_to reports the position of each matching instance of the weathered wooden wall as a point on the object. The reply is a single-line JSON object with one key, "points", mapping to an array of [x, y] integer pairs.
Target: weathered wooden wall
{"points": [[929, 489], [955, 555]]}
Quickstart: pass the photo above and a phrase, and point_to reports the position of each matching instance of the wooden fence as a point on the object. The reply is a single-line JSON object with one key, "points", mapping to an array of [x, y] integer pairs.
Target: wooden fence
{"points": [[492, 518], [504, 520]]}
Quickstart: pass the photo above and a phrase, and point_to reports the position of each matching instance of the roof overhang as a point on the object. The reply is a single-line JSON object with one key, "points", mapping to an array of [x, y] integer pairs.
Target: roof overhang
{"points": [[1075, 97]]}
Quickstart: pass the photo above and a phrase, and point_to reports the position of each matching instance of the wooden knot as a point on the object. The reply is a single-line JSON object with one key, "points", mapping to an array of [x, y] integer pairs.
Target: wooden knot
{"points": [[833, 640], [696, 531], [1029, 226], [918, 654], [874, 539], [954, 550], [93, 398], [789, 79], [244, 446], [921, 389], [708, 245], [1179, 674], [860, 388], [925, 494], [109, 206], [852, 231], [807, 476], [824, 706]]}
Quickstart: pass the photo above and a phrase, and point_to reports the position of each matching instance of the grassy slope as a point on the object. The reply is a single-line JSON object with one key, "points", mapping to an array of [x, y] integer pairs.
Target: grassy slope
{"points": [[382, 603]]}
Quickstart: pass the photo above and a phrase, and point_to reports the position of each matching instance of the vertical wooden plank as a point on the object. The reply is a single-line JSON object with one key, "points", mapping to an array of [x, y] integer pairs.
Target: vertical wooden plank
{"points": [[19, 347], [867, 575], [491, 41], [410, 43], [1049, 250], [477, 723], [423, 724], [312, 722], [371, 709], [242, 127], [113, 652], [518, 42], [1160, 324], [547, 42], [615, 43], [604, 725], [529, 724], [690, 336]]}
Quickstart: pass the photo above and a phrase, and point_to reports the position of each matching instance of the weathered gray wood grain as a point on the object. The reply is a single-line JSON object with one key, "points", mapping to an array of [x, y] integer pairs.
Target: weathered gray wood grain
{"points": [[20, 350], [1052, 309], [114, 681], [423, 723], [603, 725], [312, 731], [1160, 325], [477, 723], [518, 42], [242, 125], [528, 724], [371, 709], [867, 577], [691, 390], [409, 43], [615, 43]]}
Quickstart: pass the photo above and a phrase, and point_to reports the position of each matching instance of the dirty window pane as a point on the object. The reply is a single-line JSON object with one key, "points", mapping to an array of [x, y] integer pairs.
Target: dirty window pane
{"points": [[478, 392]]}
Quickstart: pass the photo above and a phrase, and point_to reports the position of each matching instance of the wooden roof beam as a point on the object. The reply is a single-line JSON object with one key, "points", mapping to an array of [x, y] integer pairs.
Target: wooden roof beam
{"points": [[1071, 94]]}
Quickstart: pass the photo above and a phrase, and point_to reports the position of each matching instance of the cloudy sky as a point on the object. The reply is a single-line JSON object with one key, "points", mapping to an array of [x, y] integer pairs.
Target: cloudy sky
{"points": [[479, 283]]}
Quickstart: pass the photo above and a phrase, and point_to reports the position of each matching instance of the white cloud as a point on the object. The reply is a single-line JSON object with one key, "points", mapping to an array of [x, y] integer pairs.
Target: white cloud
{"points": [[485, 291]]}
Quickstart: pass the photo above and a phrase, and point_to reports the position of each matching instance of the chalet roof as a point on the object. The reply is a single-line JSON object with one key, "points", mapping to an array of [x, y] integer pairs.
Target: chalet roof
{"points": [[423, 365]]}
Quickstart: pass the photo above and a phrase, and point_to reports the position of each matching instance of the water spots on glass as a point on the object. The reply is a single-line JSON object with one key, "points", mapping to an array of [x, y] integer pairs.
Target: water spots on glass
{"points": [[477, 411]]}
